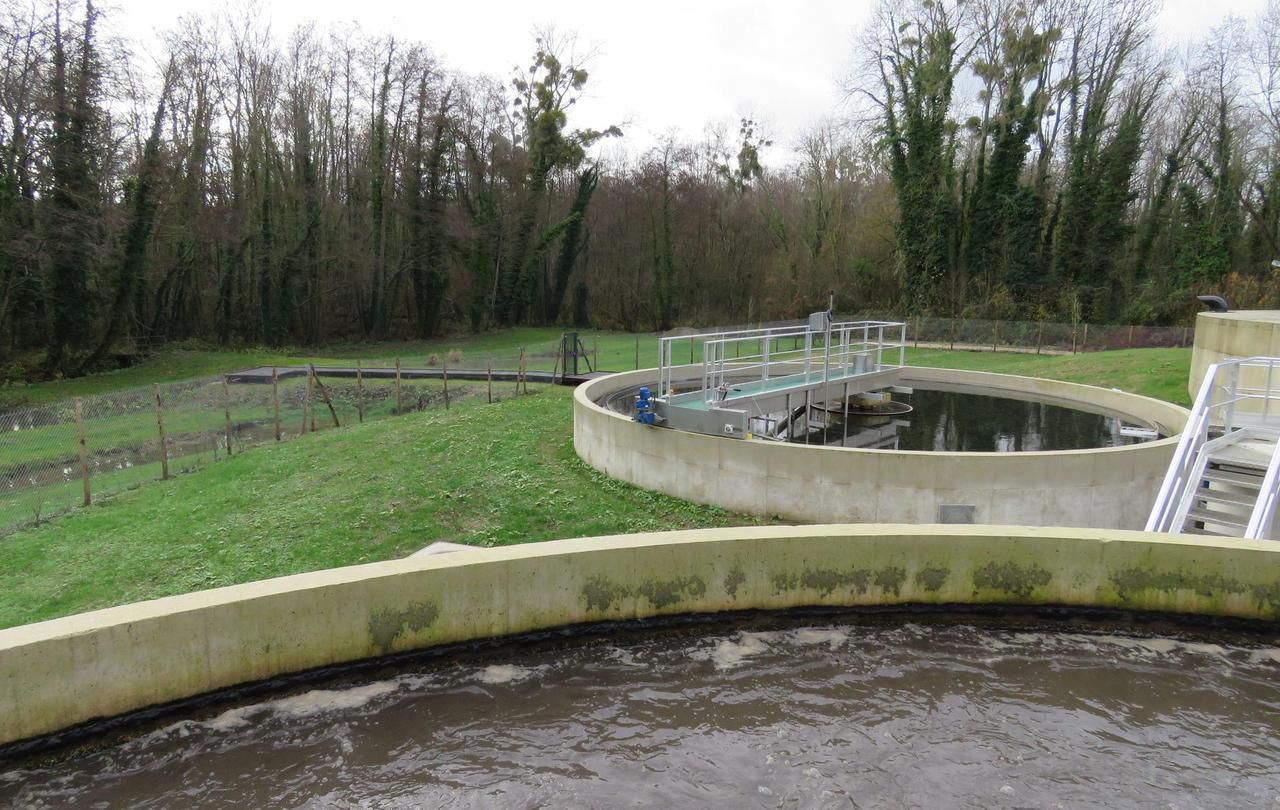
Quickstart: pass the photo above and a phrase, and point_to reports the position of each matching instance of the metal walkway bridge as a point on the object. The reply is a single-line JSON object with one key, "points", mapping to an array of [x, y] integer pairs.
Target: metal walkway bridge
{"points": [[747, 375], [1224, 476]]}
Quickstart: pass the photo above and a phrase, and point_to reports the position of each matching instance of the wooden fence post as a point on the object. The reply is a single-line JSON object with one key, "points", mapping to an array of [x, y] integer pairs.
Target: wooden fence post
{"points": [[84, 450], [306, 404], [226, 411], [1084, 340], [275, 399], [637, 354], [325, 394], [917, 331], [995, 334], [953, 334], [164, 445], [488, 375], [1184, 337], [360, 391], [1039, 336], [444, 368], [1130, 337], [397, 386]]}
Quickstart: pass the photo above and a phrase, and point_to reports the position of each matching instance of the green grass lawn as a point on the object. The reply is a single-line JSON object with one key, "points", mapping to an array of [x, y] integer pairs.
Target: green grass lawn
{"points": [[478, 473]]}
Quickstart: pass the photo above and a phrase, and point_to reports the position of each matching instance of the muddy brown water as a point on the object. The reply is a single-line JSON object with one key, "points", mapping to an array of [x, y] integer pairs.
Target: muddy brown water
{"points": [[834, 711]]}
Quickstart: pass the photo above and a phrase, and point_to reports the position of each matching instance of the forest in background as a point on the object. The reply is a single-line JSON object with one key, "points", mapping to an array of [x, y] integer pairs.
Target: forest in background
{"points": [[1006, 159]]}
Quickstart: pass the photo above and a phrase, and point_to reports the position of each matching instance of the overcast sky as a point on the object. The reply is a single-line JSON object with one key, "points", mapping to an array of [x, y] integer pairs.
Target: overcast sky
{"points": [[658, 65]]}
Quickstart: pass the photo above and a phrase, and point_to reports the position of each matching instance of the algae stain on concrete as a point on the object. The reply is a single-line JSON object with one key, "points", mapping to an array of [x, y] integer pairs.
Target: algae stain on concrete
{"points": [[601, 593], [890, 579], [1018, 580], [385, 626], [733, 580], [827, 580], [1132, 581], [932, 578]]}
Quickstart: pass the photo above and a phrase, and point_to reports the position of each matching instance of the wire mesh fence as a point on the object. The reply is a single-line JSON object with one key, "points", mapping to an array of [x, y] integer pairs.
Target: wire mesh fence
{"points": [[1045, 337], [54, 458]]}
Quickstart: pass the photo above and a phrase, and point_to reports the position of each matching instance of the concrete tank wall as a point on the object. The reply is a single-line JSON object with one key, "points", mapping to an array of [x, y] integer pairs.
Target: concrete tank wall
{"points": [[67, 671], [1106, 487], [1222, 335]]}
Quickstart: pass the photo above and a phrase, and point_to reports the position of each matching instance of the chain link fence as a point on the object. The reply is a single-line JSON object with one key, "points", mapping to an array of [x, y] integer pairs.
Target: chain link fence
{"points": [[54, 458]]}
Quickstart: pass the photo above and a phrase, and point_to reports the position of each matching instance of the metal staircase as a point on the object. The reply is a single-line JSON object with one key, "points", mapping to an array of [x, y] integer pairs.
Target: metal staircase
{"points": [[1224, 476]]}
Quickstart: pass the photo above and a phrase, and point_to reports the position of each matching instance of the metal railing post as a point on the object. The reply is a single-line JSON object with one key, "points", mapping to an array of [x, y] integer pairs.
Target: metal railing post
{"points": [[1229, 418], [1266, 395]]}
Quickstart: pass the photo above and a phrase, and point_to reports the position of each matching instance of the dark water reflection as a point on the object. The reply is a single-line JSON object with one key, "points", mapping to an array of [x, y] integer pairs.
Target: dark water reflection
{"points": [[825, 712], [951, 421]]}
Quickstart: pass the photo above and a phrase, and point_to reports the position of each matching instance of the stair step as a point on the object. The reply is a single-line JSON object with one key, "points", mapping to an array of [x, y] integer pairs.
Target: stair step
{"points": [[1236, 478], [1207, 532], [1227, 497], [1219, 518]]}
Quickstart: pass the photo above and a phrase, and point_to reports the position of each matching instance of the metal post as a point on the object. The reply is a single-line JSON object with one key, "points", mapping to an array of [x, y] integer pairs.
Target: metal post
{"points": [[767, 340], [1266, 396], [360, 391], [826, 356], [164, 445], [275, 400], [808, 353], [84, 450], [808, 404], [226, 409], [1230, 417], [844, 438], [398, 386]]}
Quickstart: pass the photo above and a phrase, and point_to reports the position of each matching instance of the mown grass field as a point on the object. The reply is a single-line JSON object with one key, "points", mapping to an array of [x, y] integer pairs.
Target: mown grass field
{"points": [[478, 473]]}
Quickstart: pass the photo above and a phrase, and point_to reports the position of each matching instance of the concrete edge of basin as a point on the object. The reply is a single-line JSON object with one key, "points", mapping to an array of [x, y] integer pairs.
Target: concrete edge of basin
{"points": [[64, 672], [1110, 487]]}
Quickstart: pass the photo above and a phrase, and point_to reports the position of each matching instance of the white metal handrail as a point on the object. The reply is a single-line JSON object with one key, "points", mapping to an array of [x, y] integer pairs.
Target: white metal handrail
{"points": [[1193, 436], [1263, 515], [842, 344], [1225, 415]]}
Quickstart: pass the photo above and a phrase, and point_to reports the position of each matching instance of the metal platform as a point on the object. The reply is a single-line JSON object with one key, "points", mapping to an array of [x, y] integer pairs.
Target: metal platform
{"points": [[749, 374]]}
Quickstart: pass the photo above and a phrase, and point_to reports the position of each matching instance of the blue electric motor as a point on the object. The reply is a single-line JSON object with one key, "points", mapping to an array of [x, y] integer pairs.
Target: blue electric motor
{"points": [[645, 413]]}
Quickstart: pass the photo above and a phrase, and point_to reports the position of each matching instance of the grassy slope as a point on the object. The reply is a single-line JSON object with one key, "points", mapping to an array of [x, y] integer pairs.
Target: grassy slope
{"points": [[1159, 373], [477, 474]]}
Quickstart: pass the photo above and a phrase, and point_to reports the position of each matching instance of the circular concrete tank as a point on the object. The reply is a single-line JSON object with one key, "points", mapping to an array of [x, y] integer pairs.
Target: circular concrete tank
{"points": [[1111, 487], [59, 673]]}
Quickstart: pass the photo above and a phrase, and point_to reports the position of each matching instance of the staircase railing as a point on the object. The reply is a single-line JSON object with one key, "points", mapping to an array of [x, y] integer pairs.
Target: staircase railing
{"points": [[1262, 519], [1194, 435], [1239, 407]]}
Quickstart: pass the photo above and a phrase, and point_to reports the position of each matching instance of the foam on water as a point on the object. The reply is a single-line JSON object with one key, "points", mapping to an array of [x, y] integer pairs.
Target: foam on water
{"points": [[498, 674], [307, 704], [833, 637]]}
